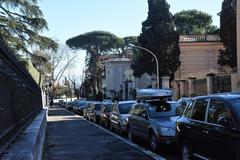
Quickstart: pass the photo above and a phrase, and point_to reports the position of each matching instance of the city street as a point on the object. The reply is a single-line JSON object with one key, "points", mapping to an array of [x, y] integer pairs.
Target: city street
{"points": [[71, 137]]}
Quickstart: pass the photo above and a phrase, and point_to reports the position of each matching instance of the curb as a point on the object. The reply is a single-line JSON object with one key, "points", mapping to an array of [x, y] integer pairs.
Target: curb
{"points": [[29, 145]]}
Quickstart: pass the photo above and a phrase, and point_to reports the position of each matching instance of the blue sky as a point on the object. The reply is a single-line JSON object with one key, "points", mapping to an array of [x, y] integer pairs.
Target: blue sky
{"points": [[69, 18]]}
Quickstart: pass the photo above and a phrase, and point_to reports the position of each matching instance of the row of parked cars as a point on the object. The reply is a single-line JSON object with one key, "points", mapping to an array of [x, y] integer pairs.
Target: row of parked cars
{"points": [[204, 127]]}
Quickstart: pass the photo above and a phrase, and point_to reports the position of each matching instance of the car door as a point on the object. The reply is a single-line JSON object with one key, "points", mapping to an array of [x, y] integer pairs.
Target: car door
{"points": [[142, 123], [196, 126], [133, 119], [221, 139]]}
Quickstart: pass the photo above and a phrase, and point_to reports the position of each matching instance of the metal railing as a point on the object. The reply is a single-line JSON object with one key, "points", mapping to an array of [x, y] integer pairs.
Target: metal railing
{"points": [[20, 97]]}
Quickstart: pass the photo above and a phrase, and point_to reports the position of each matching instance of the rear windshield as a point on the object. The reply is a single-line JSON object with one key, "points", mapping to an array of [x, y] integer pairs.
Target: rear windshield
{"points": [[98, 107], [158, 109], [108, 107], [125, 108]]}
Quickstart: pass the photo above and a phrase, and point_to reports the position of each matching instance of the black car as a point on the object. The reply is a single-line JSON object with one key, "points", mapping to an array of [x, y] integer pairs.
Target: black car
{"points": [[210, 128], [79, 107], [94, 111], [154, 121]]}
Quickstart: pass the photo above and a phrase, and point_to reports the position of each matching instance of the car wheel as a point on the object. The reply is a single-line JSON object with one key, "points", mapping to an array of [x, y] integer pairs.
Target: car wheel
{"points": [[130, 136], [186, 151], [154, 143]]}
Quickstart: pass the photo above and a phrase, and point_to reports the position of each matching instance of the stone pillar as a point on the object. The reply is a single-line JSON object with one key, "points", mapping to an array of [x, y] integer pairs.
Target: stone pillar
{"points": [[191, 86], [235, 78], [238, 36], [177, 89], [210, 83], [165, 82], [182, 88]]}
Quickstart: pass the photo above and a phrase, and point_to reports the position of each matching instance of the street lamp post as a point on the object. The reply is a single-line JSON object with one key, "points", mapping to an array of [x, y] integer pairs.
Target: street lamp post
{"points": [[155, 57]]}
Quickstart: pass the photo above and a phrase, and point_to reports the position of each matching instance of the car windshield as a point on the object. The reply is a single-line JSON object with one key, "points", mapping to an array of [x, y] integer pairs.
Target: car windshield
{"points": [[125, 108], [108, 107], [236, 105], [158, 109]]}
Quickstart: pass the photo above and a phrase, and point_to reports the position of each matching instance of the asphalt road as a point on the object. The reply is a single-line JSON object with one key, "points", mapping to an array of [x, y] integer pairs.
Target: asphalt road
{"points": [[70, 137]]}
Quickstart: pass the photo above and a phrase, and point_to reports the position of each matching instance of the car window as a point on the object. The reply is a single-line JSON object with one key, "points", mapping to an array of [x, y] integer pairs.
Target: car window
{"points": [[199, 109], [159, 108], [125, 108], [188, 111], [108, 107], [217, 110], [114, 108], [98, 107], [135, 110]]}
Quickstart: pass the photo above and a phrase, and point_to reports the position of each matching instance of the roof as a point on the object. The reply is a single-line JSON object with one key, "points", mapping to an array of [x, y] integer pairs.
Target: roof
{"points": [[154, 93], [125, 102], [229, 95]]}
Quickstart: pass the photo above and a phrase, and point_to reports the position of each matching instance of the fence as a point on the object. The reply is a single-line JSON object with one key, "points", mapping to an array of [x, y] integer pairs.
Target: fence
{"points": [[222, 83], [200, 87], [20, 97]]}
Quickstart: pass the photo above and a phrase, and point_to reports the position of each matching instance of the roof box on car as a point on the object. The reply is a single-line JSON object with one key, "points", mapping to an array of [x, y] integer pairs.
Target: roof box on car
{"points": [[154, 93]]}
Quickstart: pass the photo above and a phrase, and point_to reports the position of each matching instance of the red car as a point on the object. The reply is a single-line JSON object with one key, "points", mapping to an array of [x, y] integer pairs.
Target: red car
{"points": [[105, 114]]}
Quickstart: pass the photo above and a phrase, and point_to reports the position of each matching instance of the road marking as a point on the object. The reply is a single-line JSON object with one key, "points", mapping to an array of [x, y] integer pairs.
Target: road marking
{"points": [[142, 149]]}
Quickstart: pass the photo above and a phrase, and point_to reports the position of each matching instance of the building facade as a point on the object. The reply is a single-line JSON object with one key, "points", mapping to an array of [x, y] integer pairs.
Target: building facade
{"points": [[199, 56], [119, 79]]}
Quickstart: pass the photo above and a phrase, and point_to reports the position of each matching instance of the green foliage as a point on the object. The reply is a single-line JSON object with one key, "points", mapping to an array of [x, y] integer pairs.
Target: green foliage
{"points": [[95, 43], [41, 62], [61, 90], [21, 21], [193, 22], [158, 36], [228, 56], [122, 47]]}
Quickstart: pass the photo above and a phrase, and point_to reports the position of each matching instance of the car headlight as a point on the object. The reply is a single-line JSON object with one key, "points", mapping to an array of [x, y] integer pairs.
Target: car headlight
{"points": [[124, 121], [167, 131]]}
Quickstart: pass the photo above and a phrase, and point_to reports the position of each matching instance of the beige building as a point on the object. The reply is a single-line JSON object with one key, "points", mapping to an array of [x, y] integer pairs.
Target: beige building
{"points": [[199, 56], [236, 76]]}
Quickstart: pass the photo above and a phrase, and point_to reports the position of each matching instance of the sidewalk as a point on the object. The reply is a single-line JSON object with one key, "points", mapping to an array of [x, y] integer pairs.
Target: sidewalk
{"points": [[71, 138]]}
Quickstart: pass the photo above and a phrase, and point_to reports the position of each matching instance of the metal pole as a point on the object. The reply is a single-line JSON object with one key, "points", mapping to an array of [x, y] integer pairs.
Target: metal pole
{"points": [[155, 57]]}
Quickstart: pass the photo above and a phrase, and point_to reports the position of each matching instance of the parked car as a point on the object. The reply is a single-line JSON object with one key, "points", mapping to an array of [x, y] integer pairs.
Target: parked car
{"points": [[154, 121], [70, 105], [79, 106], [210, 127], [119, 116], [86, 109], [94, 111], [105, 114]]}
